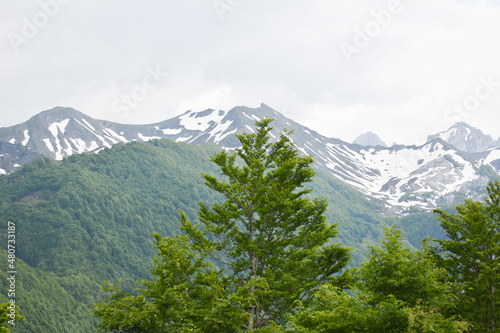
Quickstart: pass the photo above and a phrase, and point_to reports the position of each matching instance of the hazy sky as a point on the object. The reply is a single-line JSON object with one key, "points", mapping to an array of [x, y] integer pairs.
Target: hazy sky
{"points": [[400, 68]]}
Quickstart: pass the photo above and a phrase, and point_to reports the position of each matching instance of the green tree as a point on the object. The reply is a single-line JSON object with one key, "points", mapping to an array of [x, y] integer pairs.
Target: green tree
{"points": [[334, 310], [185, 295], [7, 318], [270, 241], [410, 276], [471, 254], [396, 290], [414, 279]]}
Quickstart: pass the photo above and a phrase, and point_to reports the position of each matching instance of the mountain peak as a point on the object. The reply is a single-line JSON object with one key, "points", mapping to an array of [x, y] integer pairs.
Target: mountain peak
{"points": [[57, 113], [369, 139], [466, 138]]}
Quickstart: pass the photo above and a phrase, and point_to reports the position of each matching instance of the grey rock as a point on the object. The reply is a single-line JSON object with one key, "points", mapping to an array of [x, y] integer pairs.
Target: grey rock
{"points": [[369, 139], [466, 138]]}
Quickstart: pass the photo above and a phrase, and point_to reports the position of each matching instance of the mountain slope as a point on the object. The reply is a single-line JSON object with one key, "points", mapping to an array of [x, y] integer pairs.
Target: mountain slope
{"points": [[44, 301], [398, 177], [90, 218], [12, 156]]}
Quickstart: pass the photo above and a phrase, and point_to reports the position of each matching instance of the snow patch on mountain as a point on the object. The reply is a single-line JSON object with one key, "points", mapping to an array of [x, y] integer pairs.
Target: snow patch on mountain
{"points": [[183, 139], [69, 149], [448, 134], [219, 132], [104, 141], [400, 176], [93, 146], [61, 126], [147, 138], [243, 113], [493, 155], [250, 129], [115, 135], [59, 155], [92, 130], [80, 145], [88, 124], [171, 131], [26, 138], [252, 117]]}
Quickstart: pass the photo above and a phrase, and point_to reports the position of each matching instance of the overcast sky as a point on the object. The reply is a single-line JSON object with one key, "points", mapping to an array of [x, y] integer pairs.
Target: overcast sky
{"points": [[400, 68]]}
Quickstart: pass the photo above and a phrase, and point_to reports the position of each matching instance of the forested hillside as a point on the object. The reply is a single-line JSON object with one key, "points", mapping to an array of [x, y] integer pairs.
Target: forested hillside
{"points": [[91, 217]]}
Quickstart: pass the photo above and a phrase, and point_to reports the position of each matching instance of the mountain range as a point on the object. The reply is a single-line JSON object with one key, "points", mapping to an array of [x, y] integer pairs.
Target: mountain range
{"points": [[452, 165], [86, 195]]}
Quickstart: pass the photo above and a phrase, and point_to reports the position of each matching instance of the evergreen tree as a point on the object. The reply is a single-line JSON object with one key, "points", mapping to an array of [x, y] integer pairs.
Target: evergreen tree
{"points": [[471, 254]]}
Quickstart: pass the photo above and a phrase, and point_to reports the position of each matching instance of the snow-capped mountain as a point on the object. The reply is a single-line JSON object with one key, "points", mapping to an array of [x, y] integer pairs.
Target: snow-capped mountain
{"points": [[399, 177], [466, 138]]}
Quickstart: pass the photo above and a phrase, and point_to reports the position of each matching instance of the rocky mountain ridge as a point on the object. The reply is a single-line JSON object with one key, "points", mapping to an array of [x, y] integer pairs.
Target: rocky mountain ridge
{"points": [[466, 138], [399, 177]]}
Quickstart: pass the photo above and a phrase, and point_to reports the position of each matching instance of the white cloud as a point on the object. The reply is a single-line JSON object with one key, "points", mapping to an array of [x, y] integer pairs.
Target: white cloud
{"points": [[283, 53]]}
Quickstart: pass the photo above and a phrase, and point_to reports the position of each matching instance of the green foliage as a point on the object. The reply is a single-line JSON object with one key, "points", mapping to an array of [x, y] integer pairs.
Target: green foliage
{"points": [[270, 241], [185, 295], [396, 290], [90, 218], [471, 254], [334, 310], [45, 304], [270, 238], [410, 276], [357, 218], [418, 226], [9, 318]]}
